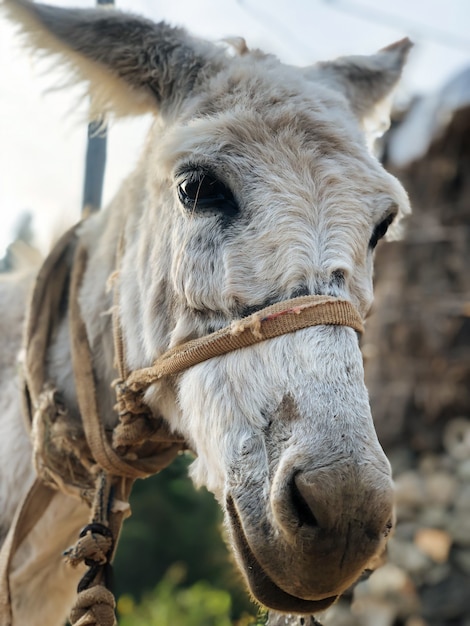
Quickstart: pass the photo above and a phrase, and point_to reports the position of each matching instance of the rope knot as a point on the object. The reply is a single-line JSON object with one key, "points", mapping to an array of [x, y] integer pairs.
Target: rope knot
{"points": [[134, 426], [94, 546], [128, 401], [137, 425], [94, 607]]}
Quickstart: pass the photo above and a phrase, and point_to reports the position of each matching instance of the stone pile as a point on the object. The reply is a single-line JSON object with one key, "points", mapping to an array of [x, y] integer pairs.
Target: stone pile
{"points": [[426, 580]]}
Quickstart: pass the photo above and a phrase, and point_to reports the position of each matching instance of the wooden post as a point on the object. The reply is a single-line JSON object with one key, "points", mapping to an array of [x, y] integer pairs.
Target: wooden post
{"points": [[95, 162]]}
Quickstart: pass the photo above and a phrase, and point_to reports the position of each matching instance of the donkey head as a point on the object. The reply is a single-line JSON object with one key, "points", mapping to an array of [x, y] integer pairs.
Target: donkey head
{"points": [[256, 186]]}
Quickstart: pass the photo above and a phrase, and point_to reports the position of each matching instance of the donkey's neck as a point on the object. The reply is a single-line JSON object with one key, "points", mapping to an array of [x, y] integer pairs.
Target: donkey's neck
{"points": [[100, 235]]}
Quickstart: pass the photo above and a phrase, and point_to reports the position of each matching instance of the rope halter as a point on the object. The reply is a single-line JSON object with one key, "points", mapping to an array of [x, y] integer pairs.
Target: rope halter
{"points": [[272, 321]]}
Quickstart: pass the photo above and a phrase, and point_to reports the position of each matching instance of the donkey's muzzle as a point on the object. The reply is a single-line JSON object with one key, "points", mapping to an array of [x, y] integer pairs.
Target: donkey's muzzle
{"points": [[315, 508], [327, 526], [263, 588], [337, 519]]}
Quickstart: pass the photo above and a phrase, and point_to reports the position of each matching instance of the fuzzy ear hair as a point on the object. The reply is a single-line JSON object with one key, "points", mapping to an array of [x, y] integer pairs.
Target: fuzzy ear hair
{"points": [[130, 64], [367, 82]]}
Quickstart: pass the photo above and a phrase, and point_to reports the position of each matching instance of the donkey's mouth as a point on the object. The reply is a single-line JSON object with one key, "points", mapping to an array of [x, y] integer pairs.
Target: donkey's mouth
{"points": [[260, 584]]}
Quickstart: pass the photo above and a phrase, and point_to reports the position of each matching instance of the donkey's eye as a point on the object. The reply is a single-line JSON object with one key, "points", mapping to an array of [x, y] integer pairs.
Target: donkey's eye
{"points": [[380, 230], [202, 192]]}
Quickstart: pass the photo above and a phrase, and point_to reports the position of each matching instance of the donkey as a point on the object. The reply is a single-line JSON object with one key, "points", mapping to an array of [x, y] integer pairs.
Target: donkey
{"points": [[256, 185]]}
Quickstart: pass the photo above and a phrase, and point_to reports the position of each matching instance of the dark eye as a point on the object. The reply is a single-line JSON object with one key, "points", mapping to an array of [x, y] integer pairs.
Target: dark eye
{"points": [[380, 230], [200, 191]]}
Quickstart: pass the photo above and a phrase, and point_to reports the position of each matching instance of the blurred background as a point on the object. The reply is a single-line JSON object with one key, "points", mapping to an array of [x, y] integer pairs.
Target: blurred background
{"points": [[172, 566]]}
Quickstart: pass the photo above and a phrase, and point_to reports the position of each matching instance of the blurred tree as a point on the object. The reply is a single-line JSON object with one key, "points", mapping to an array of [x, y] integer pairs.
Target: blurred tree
{"points": [[169, 603], [22, 236], [173, 523]]}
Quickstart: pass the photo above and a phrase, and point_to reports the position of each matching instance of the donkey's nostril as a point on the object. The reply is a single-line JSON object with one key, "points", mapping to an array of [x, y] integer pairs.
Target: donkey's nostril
{"points": [[301, 507]]}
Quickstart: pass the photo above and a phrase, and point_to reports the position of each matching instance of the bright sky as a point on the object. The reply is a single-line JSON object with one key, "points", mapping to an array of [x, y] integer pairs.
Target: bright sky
{"points": [[42, 135]]}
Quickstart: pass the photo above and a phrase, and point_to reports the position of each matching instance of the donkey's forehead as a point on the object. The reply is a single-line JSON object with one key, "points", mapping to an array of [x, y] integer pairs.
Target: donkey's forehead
{"points": [[283, 139], [265, 119], [263, 82], [245, 107], [281, 95]]}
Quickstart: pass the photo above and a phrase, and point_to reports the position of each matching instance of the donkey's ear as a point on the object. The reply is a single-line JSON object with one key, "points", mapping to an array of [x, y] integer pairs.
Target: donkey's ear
{"points": [[131, 64], [367, 82]]}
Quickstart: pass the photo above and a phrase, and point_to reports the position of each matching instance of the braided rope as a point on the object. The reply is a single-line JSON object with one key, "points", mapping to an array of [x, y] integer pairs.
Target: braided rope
{"points": [[95, 603]]}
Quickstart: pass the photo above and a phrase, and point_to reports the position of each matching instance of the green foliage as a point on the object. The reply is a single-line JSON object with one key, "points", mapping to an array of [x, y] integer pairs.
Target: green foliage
{"points": [[170, 604], [173, 523]]}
